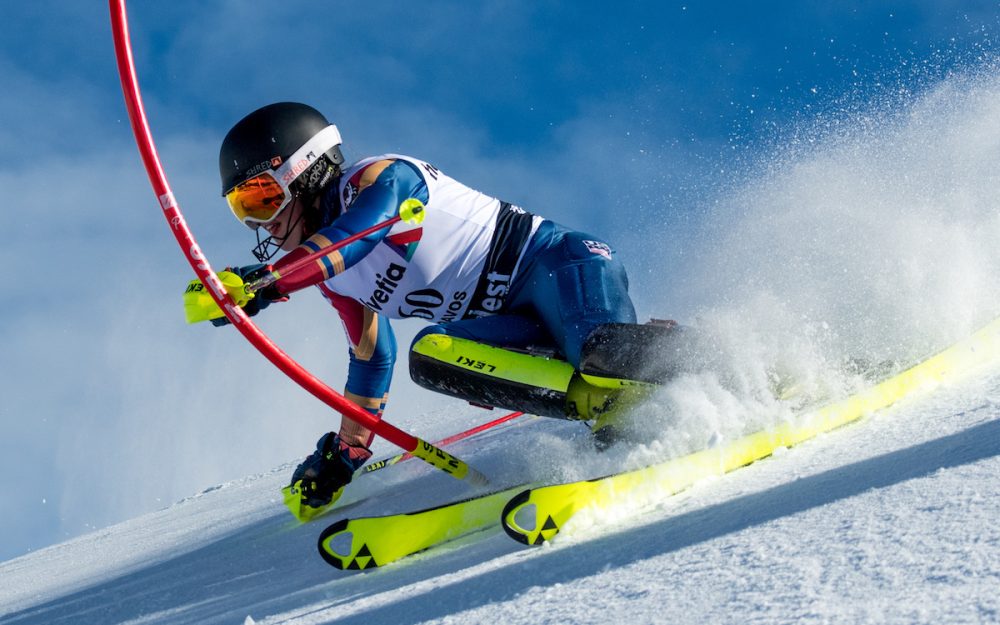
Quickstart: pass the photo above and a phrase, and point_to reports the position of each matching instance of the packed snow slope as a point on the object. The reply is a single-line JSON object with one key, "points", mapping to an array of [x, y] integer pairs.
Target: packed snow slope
{"points": [[892, 519]]}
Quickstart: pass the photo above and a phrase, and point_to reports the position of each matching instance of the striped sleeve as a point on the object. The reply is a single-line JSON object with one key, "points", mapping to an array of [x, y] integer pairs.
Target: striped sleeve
{"points": [[372, 351]]}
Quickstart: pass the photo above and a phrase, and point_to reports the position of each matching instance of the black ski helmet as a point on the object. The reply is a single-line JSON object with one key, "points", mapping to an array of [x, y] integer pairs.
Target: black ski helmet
{"points": [[265, 140], [271, 134]]}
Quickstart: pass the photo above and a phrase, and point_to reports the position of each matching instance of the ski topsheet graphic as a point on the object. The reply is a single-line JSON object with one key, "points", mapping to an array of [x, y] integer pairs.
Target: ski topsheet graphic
{"points": [[534, 514], [368, 542]]}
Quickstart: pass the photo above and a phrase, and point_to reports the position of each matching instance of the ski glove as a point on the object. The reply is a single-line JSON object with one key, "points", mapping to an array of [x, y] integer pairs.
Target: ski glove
{"points": [[328, 469], [262, 298]]}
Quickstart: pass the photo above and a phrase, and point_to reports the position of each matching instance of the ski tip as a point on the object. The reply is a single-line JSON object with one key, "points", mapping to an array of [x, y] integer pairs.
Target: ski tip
{"points": [[515, 509], [336, 547], [520, 521], [325, 544]]}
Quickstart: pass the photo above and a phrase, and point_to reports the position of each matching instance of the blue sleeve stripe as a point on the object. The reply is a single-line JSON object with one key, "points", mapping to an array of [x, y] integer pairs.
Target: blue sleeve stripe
{"points": [[328, 269], [312, 245]]}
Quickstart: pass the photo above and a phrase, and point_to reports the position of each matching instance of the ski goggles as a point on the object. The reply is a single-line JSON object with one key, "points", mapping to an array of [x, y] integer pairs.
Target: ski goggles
{"points": [[259, 199]]}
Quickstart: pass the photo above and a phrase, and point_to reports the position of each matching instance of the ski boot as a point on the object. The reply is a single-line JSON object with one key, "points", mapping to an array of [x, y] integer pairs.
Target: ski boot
{"points": [[607, 403], [625, 362], [654, 352], [319, 480]]}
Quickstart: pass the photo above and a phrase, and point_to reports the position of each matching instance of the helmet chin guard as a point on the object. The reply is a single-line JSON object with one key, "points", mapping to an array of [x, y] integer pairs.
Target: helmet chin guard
{"points": [[266, 248]]}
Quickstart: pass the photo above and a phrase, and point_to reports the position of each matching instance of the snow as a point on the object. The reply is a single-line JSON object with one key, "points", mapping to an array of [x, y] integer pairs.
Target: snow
{"points": [[889, 520]]}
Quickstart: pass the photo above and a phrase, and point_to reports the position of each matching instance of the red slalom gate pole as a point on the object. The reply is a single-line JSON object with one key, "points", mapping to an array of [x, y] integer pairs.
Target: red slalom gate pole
{"points": [[189, 246]]}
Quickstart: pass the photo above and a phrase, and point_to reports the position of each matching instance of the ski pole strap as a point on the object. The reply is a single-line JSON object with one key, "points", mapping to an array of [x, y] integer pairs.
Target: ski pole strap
{"points": [[453, 466]]}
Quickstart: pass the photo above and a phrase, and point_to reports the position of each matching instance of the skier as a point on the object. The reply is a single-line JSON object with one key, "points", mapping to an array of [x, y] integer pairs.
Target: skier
{"points": [[485, 272]]}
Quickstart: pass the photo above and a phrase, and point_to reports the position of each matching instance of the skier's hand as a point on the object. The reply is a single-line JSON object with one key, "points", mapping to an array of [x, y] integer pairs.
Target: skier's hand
{"points": [[199, 305], [259, 299], [320, 479], [252, 273]]}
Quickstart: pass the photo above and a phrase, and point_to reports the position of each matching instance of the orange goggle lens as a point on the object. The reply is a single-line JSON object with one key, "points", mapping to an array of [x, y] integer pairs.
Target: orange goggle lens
{"points": [[258, 200]]}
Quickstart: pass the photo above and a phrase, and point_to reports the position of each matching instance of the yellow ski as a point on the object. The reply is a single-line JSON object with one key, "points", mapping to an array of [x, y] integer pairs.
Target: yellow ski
{"points": [[368, 542], [536, 515]]}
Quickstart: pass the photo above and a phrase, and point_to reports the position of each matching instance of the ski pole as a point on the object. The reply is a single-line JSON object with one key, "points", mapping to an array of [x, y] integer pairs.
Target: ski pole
{"points": [[270, 278], [196, 258], [412, 212], [388, 462]]}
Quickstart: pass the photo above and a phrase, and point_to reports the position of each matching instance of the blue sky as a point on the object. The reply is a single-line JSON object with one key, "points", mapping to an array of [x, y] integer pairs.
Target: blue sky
{"points": [[627, 119]]}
